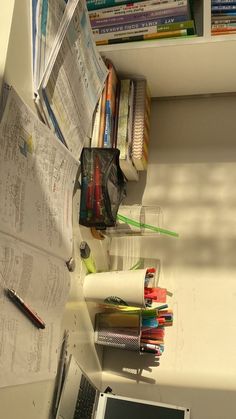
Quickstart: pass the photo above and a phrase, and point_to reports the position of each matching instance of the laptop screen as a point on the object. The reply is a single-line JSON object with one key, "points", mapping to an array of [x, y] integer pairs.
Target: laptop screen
{"points": [[116, 407]]}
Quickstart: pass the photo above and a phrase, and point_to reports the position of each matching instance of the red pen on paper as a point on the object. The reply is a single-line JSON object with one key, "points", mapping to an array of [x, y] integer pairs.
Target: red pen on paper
{"points": [[25, 309]]}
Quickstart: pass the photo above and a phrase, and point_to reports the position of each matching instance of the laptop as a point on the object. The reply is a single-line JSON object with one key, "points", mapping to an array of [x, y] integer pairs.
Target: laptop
{"points": [[80, 399]]}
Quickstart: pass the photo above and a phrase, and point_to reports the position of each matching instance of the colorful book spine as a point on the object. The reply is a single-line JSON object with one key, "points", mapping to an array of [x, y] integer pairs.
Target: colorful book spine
{"points": [[125, 20], [228, 26], [145, 37], [117, 106], [180, 7], [148, 27], [100, 4], [224, 33], [223, 17], [102, 116], [222, 8], [224, 21], [223, 2], [112, 82], [96, 124]]}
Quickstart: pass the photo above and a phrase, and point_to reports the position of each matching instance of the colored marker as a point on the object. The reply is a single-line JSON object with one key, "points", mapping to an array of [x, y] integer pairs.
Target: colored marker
{"points": [[85, 254]]}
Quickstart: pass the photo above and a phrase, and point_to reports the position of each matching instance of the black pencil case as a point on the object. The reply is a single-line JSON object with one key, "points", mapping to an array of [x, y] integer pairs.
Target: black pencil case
{"points": [[103, 187]]}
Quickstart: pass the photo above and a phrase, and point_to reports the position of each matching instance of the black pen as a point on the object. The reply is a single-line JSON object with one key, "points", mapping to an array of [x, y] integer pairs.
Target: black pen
{"points": [[25, 308], [60, 372], [147, 350]]}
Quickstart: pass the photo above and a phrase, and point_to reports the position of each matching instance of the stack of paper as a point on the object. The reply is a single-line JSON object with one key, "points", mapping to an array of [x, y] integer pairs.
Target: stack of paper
{"points": [[69, 80], [46, 19], [37, 180]]}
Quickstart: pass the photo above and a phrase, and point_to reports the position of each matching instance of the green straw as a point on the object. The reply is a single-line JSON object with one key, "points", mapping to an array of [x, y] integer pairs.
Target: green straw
{"points": [[147, 226], [136, 265]]}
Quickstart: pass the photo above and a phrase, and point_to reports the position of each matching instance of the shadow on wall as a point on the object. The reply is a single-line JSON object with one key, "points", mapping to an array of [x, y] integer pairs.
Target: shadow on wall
{"points": [[133, 365]]}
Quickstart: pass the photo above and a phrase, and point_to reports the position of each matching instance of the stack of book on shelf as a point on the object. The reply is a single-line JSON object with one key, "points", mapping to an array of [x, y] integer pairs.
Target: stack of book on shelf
{"points": [[115, 21], [223, 17], [122, 120]]}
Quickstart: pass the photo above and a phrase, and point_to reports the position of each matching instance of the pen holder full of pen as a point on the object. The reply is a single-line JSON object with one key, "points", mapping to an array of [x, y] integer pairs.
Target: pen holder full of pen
{"points": [[116, 287], [118, 330], [102, 187]]}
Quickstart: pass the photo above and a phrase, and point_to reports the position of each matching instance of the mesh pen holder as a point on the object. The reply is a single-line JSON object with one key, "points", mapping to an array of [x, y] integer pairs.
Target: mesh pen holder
{"points": [[118, 330]]}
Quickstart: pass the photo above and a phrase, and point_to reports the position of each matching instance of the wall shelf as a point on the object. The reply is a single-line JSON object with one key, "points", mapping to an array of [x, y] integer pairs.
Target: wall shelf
{"points": [[181, 66]]}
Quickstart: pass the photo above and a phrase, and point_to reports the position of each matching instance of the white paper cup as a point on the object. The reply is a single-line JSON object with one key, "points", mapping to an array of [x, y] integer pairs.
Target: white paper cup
{"points": [[116, 287]]}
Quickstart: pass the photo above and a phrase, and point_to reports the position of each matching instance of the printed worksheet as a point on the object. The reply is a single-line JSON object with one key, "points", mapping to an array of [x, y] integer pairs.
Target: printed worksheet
{"points": [[27, 353], [74, 79], [46, 19], [37, 177]]}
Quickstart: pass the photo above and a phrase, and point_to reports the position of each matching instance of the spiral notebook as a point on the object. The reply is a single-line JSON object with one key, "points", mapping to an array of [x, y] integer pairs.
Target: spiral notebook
{"points": [[141, 124]]}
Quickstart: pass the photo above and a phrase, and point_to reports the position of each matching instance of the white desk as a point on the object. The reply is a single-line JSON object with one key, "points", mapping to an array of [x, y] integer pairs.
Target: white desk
{"points": [[33, 400]]}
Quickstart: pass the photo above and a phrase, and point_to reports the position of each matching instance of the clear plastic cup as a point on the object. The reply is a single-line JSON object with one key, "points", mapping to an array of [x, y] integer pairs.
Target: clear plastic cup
{"points": [[137, 220]]}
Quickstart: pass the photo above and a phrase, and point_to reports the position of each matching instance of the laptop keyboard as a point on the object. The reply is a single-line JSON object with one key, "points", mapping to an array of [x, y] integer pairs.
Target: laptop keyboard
{"points": [[85, 400]]}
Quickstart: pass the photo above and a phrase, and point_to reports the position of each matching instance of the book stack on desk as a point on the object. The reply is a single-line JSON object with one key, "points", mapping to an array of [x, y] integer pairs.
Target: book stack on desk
{"points": [[114, 21], [122, 121], [223, 17]]}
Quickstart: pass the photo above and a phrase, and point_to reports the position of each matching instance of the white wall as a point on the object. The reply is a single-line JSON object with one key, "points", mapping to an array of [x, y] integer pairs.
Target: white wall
{"points": [[5, 25], [18, 65], [192, 176]]}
